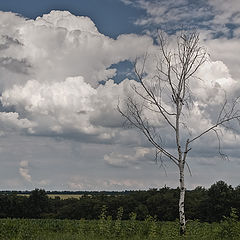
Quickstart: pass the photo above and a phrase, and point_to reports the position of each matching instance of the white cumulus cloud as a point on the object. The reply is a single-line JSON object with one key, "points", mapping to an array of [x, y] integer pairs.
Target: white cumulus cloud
{"points": [[24, 170], [50, 69], [60, 45]]}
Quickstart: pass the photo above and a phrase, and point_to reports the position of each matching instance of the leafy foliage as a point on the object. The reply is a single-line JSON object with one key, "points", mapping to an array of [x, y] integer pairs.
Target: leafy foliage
{"points": [[205, 205]]}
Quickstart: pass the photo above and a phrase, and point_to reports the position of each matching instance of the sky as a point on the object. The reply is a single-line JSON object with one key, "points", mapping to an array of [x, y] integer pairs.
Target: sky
{"points": [[65, 65]]}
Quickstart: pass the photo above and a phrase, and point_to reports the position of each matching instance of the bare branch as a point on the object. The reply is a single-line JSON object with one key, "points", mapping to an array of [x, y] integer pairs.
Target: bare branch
{"points": [[135, 118], [223, 155], [215, 126], [150, 94], [189, 169]]}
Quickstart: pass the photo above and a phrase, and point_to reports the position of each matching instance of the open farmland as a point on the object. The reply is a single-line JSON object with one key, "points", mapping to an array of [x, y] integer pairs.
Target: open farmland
{"points": [[61, 196], [65, 196]]}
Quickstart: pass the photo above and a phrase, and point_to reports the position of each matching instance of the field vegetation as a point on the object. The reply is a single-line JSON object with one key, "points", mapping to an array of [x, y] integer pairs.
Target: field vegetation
{"points": [[212, 214], [105, 228]]}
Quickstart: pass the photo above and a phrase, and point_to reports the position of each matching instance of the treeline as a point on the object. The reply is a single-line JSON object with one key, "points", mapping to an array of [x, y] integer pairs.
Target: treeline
{"points": [[208, 205]]}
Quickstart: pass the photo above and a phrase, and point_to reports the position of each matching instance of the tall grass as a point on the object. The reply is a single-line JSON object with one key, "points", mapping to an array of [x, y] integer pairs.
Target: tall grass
{"points": [[107, 228]]}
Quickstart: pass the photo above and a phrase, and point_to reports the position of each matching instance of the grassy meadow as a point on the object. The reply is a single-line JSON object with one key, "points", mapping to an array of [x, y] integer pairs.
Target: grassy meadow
{"points": [[106, 228]]}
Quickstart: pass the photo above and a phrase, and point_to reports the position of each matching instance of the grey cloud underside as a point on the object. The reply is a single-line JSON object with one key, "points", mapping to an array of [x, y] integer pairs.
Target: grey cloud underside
{"points": [[14, 65], [8, 41]]}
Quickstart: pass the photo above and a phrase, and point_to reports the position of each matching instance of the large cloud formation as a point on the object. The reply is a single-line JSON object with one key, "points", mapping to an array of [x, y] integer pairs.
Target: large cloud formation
{"points": [[52, 71], [51, 68], [59, 45]]}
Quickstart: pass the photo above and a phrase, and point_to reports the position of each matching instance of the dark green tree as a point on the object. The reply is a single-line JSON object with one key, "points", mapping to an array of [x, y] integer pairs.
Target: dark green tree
{"points": [[220, 197], [38, 203]]}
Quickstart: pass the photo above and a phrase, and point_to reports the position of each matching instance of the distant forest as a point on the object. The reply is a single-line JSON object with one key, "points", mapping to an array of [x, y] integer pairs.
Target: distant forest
{"points": [[208, 205]]}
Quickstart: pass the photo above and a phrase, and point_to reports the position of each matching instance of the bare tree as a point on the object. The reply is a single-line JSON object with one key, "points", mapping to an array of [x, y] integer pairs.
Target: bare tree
{"points": [[175, 69]]}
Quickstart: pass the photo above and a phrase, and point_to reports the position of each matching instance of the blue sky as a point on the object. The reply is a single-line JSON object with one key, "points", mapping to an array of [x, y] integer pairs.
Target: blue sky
{"points": [[111, 17], [117, 17], [59, 128]]}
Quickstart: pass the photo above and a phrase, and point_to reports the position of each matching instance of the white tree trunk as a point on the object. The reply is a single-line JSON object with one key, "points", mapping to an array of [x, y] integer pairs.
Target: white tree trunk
{"points": [[181, 201]]}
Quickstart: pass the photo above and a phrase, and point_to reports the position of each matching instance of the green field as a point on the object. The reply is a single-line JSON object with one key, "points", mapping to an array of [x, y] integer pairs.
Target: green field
{"points": [[65, 196], [61, 196], [103, 229]]}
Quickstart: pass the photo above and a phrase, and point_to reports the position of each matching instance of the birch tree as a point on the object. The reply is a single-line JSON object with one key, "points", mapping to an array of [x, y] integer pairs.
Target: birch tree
{"points": [[175, 69]]}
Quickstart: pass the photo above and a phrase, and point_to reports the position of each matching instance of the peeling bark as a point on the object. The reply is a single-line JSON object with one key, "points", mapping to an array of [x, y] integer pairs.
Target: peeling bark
{"points": [[181, 202]]}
